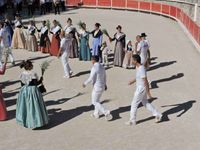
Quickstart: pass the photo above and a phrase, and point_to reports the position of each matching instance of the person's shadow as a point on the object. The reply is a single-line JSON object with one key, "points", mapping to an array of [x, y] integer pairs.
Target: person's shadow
{"points": [[59, 116], [116, 113], [154, 84], [182, 108], [162, 64]]}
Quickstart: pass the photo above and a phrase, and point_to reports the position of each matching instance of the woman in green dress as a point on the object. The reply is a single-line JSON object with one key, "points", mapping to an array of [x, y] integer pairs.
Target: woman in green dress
{"points": [[31, 111], [85, 53]]}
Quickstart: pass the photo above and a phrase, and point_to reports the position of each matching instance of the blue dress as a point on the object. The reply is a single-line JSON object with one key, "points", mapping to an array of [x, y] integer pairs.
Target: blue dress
{"points": [[97, 42], [85, 53], [30, 111]]}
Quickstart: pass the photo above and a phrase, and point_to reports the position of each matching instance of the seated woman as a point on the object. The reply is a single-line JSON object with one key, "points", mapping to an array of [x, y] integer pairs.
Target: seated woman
{"points": [[30, 111]]}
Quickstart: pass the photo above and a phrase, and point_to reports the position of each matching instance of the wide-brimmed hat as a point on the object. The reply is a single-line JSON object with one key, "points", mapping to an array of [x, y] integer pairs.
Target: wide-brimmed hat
{"points": [[143, 35], [119, 27]]}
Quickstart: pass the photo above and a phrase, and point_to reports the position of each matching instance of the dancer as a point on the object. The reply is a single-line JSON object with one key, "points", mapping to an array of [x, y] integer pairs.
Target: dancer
{"points": [[65, 46], [98, 79], [44, 38], [3, 111], [85, 53], [70, 29], [5, 43], [30, 110], [31, 39], [55, 43], [18, 40], [105, 52], [142, 90], [127, 63], [97, 41]]}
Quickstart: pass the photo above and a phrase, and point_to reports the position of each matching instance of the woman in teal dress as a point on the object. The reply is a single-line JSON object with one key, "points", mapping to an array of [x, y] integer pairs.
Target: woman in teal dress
{"points": [[85, 53], [31, 111]]}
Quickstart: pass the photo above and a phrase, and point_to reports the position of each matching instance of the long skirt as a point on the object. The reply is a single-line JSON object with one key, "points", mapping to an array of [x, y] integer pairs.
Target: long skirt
{"points": [[32, 43], [30, 110], [55, 45], [128, 59], [118, 54], [44, 44], [85, 53], [3, 111], [73, 53], [18, 40]]}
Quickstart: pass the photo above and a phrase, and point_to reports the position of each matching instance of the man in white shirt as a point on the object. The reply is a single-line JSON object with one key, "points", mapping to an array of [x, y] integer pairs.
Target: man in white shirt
{"points": [[65, 46], [144, 37], [5, 44], [98, 79], [142, 90], [142, 49]]}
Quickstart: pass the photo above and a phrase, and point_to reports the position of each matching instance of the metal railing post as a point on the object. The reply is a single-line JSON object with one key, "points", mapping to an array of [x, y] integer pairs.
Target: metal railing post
{"points": [[195, 12]]}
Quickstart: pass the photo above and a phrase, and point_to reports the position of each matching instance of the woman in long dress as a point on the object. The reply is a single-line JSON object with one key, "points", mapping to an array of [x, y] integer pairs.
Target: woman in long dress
{"points": [[85, 53], [119, 50], [30, 111], [31, 39], [3, 111], [44, 38], [70, 29], [128, 59], [97, 41], [55, 43], [18, 40]]}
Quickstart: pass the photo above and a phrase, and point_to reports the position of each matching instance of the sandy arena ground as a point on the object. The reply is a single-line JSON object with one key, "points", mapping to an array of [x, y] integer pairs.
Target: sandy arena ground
{"points": [[175, 81]]}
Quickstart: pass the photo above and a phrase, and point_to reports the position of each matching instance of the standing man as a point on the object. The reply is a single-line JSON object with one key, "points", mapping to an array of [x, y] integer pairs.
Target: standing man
{"points": [[30, 7], [98, 79], [56, 6], [42, 7], [144, 36], [65, 46], [142, 90], [142, 49], [63, 5]]}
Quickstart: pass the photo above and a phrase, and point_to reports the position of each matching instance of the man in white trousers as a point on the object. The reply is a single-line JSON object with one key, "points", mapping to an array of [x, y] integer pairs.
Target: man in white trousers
{"points": [[5, 47], [65, 46], [98, 79], [142, 90]]}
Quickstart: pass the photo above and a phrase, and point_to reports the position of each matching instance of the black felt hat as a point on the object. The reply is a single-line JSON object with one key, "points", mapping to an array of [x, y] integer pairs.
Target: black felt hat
{"points": [[143, 35]]}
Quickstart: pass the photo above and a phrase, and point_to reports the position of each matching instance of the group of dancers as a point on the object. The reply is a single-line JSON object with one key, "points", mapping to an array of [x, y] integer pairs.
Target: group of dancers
{"points": [[31, 111]]}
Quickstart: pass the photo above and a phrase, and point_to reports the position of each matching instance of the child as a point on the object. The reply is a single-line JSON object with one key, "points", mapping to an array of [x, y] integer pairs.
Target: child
{"points": [[65, 45], [105, 52], [127, 63]]}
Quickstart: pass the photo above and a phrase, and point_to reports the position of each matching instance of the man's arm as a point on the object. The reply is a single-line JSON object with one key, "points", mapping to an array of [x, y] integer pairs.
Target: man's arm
{"points": [[147, 87], [90, 79], [132, 81]]}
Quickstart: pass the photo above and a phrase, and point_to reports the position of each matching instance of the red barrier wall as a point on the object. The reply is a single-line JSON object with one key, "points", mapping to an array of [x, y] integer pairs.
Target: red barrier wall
{"points": [[164, 9]]}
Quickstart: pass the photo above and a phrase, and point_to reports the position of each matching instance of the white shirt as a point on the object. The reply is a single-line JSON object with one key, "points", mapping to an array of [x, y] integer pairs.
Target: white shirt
{"points": [[44, 29], [4, 38], [65, 45], [140, 75], [31, 29], [56, 29], [17, 23], [42, 1], [97, 76], [142, 48]]}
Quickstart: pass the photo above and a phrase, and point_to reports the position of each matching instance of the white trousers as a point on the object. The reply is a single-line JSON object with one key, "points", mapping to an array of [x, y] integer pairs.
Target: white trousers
{"points": [[141, 96], [98, 107], [65, 63], [105, 59]]}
